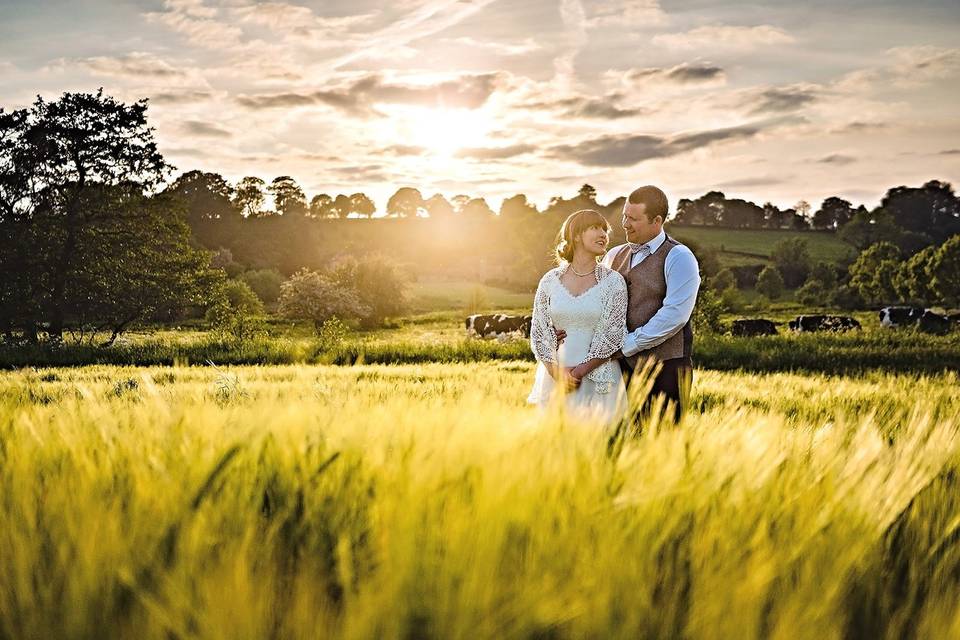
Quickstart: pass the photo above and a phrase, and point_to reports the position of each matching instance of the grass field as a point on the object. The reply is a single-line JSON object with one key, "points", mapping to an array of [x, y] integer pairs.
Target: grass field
{"points": [[430, 502], [759, 243]]}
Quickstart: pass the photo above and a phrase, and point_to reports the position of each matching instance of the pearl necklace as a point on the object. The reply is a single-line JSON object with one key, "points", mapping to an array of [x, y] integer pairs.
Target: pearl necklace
{"points": [[583, 275]]}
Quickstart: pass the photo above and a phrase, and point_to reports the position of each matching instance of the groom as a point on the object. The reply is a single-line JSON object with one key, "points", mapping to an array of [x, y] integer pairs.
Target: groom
{"points": [[663, 279]]}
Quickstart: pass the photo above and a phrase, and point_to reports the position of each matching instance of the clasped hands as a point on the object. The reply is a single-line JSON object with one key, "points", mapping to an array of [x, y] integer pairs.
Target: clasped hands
{"points": [[571, 377]]}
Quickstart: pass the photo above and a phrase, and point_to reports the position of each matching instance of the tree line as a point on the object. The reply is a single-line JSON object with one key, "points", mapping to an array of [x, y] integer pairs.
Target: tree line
{"points": [[95, 236]]}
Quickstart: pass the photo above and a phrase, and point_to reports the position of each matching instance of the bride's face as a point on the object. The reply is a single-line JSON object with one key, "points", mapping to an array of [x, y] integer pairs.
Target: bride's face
{"points": [[595, 240]]}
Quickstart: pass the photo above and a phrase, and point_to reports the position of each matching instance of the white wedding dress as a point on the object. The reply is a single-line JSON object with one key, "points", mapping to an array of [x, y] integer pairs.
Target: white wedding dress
{"points": [[595, 322]]}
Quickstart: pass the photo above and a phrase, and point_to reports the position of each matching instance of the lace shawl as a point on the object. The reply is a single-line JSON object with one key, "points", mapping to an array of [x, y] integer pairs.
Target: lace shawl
{"points": [[611, 328], [543, 337]]}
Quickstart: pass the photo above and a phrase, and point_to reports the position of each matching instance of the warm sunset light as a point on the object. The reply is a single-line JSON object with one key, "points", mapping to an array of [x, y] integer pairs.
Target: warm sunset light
{"points": [[444, 131]]}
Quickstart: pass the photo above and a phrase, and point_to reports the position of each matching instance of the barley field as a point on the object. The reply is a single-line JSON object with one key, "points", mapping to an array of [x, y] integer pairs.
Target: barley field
{"points": [[428, 501]]}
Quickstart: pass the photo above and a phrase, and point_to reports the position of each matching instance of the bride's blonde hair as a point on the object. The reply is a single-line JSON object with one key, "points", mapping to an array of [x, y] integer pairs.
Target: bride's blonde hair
{"points": [[571, 229]]}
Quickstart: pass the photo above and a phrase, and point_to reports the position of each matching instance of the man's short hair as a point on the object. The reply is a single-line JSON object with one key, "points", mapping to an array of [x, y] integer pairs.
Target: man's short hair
{"points": [[655, 200]]}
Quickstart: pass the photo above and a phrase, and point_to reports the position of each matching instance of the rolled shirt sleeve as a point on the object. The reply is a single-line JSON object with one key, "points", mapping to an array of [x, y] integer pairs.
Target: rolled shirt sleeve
{"points": [[682, 274]]}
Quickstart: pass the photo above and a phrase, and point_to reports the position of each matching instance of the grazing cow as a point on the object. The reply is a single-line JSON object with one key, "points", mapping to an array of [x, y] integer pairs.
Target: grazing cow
{"points": [[498, 326], [753, 327], [823, 323], [931, 322], [897, 317]]}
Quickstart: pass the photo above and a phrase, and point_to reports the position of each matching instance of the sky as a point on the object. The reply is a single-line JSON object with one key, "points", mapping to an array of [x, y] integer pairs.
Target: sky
{"points": [[775, 101]]}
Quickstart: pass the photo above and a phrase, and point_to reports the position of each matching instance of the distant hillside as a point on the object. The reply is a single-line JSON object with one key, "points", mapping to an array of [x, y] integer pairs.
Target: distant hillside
{"points": [[752, 246]]}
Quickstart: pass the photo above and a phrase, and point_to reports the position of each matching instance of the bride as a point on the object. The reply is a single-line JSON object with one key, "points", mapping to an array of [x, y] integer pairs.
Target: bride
{"points": [[589, 302]]}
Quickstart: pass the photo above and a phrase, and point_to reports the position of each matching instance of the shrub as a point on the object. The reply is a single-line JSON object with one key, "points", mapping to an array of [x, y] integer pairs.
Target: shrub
{"points": [[770, 283], [707, 312], [309, 295], [824, 273], [265, 283], [813, 293], [723, 280], [237, 312], [380, 287], [792, 258], [875, 273]]}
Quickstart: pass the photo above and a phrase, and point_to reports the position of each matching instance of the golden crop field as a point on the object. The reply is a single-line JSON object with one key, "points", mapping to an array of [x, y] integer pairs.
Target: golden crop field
{"points": [[430, 502]]}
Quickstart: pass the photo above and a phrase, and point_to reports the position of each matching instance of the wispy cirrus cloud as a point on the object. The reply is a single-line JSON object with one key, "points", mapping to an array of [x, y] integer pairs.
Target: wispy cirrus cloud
{"points": [[711, 38], [625, 13]]}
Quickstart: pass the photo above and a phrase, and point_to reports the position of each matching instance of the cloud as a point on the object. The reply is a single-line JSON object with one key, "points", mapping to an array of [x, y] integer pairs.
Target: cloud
{"points": [[837, 158], [205, 129], [759, 181], [528, 45], [949, 152], [290, 19], [197, 23], [432, 17], [858, 126], [681, 74], [496, 153], [359, 97], [136, 64], [782, 99], [737, 38], [628, 150], [404, 150], [180, 97], [905, 67], [625, 13], [586, 107]]}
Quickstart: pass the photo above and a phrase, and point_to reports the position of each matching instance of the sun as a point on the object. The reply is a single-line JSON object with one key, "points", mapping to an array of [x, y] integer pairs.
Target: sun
{"points": [[444, 131]]}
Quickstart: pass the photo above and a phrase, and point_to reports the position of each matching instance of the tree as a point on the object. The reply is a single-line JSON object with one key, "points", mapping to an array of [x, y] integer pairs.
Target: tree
{"points": [[705, 210], [770, 283], [310, 295], [405, 203], [944, 268], [361, 204], [438, 207], [342, 206], [250, 196], [381, 287], [477, 209], [288, 197], [792, 258], [833, 213], [813, 293], [321, 206], [587, 192], [517, 208], [265, 283], [824, 273], [76, 182], [932, 209], [458, 202], [913, 281], [237, 311], [875, 272], [723, 280], [867, 228]]}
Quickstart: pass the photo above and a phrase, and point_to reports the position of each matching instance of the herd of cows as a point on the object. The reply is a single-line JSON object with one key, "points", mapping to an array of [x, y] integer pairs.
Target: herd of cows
{"points": [[501, 326]]}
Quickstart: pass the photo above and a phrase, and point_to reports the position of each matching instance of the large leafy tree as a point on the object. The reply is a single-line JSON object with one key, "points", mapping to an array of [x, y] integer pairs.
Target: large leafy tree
{"points": [[76, 182], [249, 197], [288, 197], [405, 203], [874, 275]]}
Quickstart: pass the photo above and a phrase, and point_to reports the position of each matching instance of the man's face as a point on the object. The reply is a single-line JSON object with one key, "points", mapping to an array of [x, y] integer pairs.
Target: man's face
{"points": [[635, 223]]}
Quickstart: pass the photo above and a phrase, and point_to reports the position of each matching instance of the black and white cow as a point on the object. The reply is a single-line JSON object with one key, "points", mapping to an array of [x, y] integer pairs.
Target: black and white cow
{"points": [[915, 317], [753, 327], [823, 323], [931, 322], [498, 325], [899, 317]]}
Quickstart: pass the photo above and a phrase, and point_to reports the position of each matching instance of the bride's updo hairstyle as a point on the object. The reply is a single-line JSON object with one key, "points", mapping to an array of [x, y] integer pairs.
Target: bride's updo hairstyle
{"points": [[575, 224]]}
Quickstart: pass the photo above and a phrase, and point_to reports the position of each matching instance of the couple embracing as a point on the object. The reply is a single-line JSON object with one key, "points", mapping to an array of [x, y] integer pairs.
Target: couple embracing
{"points": [[602, 315]]}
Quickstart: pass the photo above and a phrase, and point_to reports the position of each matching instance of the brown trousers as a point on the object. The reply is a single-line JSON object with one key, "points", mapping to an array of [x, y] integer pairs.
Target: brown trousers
{"points": [[673, 383]]}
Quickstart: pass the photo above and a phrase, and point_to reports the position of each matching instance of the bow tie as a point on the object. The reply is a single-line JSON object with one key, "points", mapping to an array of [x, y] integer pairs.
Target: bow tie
{"points": [[643, 249]]}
